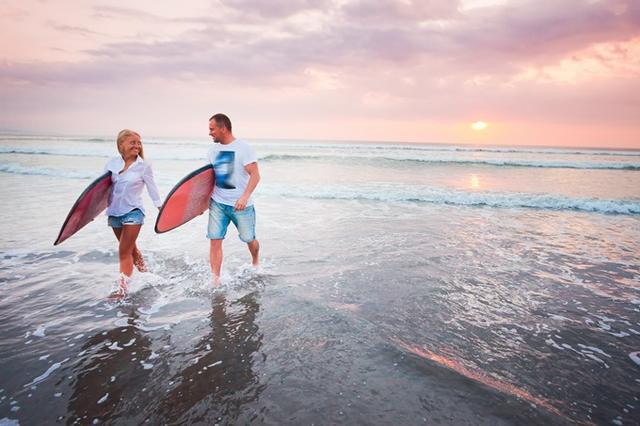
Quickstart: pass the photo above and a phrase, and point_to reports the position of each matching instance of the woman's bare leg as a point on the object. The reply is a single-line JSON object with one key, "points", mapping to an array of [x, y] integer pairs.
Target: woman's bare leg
{"points": [[138, 259], [127, 239]]}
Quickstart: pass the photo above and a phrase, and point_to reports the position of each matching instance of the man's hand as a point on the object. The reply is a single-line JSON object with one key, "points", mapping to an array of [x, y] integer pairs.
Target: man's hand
{"points": [[241, 203], [254, 178]]}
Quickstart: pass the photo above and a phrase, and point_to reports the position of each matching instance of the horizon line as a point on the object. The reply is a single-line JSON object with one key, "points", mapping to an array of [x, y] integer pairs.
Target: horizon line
{"points": [[18, 132]]}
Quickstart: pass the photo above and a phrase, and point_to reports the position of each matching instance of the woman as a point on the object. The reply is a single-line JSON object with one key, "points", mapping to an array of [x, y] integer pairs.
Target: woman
{"points": [[129, 173]]}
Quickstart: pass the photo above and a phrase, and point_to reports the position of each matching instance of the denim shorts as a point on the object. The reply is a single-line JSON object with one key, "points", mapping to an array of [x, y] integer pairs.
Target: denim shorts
{"points": [[134, 217], [221, 214]]}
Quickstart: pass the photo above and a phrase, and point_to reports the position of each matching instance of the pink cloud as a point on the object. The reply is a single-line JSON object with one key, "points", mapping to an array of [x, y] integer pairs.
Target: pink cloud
{"points": [[491, 41], [559, 62], [276, 8]]}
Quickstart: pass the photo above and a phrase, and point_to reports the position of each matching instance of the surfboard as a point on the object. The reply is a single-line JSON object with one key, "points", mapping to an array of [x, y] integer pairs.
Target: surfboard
{"points": [[93, 200], [188, 199]]}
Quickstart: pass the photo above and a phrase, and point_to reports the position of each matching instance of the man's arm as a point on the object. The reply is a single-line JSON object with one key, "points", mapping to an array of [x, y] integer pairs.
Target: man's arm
{"points": [[254, 178]]}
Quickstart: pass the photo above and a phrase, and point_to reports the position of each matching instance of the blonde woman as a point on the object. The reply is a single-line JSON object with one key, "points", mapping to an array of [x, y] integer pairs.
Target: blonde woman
{"points": [[129, 174]]}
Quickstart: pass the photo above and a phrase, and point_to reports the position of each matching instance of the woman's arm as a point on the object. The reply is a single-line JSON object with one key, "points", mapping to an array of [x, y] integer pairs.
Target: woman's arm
{"points": [[149, 180]]}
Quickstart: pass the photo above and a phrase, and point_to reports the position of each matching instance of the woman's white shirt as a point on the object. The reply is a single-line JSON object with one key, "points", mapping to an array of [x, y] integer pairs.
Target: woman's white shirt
{"points": [[126, 194]]}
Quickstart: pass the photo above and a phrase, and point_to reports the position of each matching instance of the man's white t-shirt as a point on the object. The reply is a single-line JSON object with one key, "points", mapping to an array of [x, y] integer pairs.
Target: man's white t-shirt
{"points": [[231, 177]]}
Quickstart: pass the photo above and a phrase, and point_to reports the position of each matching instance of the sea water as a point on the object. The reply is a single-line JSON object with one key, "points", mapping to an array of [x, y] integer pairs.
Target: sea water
{"points": [[400, 284]]}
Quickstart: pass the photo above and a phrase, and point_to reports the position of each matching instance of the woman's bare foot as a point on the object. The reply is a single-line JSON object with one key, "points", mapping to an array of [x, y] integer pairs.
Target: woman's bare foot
{"points": [[215, 281], [123, 287]]}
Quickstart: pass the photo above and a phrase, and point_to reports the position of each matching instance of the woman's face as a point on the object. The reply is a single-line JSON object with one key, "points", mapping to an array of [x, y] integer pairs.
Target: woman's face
{"points": [[130, 146]]}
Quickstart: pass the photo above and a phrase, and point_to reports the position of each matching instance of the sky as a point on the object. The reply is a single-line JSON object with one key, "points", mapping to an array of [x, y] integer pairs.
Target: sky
{"points": [[561, 73]]}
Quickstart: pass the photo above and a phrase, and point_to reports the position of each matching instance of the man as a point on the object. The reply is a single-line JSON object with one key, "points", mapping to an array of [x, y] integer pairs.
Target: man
{"points": [[237, 175]]}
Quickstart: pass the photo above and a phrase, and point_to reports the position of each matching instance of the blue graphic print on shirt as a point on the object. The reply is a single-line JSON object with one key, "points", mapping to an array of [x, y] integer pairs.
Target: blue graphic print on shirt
{"points": [[223, 167]]}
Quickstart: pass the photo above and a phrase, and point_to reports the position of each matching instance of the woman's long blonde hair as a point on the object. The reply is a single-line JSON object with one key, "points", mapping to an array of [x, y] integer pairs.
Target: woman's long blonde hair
{"points": [[125, 134]]}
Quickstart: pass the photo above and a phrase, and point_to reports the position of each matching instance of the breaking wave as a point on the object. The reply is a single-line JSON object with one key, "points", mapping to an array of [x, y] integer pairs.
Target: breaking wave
{"points": [[461, 161], [460, 198], [19, 169]]}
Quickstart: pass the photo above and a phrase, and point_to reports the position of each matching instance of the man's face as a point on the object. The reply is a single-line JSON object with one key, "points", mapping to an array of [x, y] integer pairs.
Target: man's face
{"points": [[215, 132]]}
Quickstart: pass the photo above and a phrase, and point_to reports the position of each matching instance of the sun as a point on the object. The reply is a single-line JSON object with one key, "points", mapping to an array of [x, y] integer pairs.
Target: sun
{"points": [[479, 125]]}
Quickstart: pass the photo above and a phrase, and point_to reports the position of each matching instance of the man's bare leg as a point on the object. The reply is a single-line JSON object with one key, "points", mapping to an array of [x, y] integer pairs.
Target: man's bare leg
{"points": [[215, 258], [254, 249]]}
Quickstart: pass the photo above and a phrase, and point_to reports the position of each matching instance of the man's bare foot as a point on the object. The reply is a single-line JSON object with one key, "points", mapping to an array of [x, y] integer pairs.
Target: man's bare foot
{"points": [[138, 261]]}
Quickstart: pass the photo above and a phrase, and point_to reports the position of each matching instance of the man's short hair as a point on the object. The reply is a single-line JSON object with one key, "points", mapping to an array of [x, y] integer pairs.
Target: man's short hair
{"points": [[221, 120]]}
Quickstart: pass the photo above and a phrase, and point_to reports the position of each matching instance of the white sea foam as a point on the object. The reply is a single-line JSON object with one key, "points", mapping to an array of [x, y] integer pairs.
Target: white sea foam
{"points": [[551, 342], [122, 322], [378, 153], [106, 140], [114, 347], [196, 155], [75, 152], [620, 334], [48, 138], [635, 357], [155, 307], [153, 328], [14, 168], [385, 193], [452, 148], [605, 318], [595, 358], [559, 318], [594, 349], [46, 374], [40, 331], [608, 165], [346, 145]]}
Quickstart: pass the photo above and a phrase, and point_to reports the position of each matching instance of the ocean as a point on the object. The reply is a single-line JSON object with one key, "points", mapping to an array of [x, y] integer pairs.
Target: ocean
{"points": [[400, 284]]}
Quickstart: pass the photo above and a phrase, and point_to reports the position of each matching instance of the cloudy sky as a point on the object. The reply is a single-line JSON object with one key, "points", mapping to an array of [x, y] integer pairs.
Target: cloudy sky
{"points": [[562, 72]]}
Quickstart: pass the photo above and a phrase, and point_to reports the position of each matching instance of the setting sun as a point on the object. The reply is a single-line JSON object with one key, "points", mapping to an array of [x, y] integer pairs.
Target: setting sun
{"points": [[479, 125]]}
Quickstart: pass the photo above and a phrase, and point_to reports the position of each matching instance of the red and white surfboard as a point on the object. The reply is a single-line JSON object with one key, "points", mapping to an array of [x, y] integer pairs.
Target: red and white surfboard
{"points": [[188, 199], [93, 200]]}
